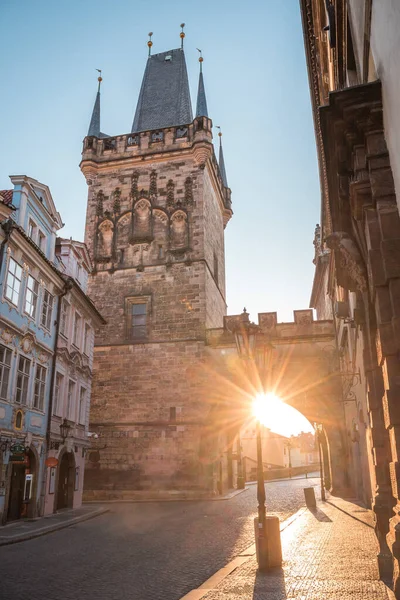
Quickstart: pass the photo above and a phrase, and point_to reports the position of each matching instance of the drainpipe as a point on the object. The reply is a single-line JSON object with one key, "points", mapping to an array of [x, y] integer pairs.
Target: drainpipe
{"points": [[67, 287]]}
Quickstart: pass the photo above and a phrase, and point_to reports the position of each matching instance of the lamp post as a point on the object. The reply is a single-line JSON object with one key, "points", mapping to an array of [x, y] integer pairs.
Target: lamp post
{"points": [[318, 430], [255, 349]]}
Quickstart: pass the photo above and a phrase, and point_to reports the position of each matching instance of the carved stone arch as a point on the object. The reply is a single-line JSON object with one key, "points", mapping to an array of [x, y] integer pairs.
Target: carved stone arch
{"points": [[179, 231], [104, 240], [142, 221]]}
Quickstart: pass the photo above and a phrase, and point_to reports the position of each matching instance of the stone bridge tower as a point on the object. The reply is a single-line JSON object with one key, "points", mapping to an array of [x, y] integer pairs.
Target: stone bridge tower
{"points": [[158, 204]]}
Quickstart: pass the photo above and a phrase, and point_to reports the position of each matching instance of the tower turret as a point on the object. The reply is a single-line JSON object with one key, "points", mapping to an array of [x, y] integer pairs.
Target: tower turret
{"points": [[94, 127], [201, 105]]}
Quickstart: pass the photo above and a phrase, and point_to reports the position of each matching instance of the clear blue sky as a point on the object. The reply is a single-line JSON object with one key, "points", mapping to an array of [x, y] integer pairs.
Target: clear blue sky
{"points": [[257, 91]]}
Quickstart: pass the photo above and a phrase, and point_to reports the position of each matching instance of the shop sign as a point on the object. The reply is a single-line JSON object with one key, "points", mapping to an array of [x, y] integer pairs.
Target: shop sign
{"points": [[52, 461], [17, 453]]}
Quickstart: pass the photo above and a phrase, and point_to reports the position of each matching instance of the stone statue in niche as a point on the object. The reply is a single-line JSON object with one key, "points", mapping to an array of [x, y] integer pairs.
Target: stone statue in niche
{"points": [[142, 226], [179, 231], [123, 231], [105, 239]]}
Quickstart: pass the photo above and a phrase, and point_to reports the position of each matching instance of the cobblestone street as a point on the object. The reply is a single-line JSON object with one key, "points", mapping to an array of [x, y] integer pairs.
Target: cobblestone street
{"points": [[142, 551]]}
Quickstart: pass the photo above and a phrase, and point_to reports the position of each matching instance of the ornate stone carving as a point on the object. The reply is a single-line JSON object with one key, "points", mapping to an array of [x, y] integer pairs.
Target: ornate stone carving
{"points": [[350, 268], [170, 193], [188, 200], [117, 200], [179, 231], [100, 203], [7, 336], [27, 343], [134, 187], [153, 186], [105, 239]]}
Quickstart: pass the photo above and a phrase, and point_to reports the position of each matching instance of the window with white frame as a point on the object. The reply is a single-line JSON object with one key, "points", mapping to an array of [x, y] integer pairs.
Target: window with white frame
{"points": [[77, 329], [47, 310], [5, 364], [32, 230], [64, 318], [82, 405], [24, 367], [58, 390], [88, 339], [42, 241], [40, 385], [31, 296], [71, 400], [13, 283]]}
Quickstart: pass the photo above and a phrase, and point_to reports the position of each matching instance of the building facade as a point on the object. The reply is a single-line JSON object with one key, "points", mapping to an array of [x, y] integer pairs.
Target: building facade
{"points": [[41, 340], [352, 51], [70, 401], [30, 286], [158, 204]]}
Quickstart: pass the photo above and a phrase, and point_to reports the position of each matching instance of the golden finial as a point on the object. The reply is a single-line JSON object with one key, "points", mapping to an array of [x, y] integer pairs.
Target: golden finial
{"points": [[150, 43], [182, 34], [220, 136], [200, 59], [99, 79]]}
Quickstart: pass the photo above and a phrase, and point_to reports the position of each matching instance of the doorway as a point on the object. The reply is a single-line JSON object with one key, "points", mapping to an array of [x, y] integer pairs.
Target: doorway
{"points": [[15, 501], [66, 476], [22, 497]]}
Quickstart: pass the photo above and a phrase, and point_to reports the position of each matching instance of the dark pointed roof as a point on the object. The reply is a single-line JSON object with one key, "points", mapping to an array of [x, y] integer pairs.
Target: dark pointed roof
{"points": [[94, 127], [201, 106], [221, 163], [164, 99]]}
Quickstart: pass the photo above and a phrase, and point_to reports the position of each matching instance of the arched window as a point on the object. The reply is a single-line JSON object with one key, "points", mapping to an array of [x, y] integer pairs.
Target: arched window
{"points": [[18, 419]]}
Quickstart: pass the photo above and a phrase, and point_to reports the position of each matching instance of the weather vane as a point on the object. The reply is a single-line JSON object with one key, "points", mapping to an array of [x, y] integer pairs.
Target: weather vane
{"points": [[200, 58], [150, 43], [99, 79], [182, 34]]}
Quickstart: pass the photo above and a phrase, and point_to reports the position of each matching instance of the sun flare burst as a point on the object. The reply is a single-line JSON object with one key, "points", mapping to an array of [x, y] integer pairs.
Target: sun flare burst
{"points": [[278, 416]]}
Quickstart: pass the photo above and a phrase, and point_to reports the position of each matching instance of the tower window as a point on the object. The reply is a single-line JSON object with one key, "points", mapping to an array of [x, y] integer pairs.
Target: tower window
{"points": [[138, 321], [172, 414]]}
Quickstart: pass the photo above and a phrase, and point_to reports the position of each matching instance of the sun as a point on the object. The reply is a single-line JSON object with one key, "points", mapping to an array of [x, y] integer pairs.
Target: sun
{"points": [[278, 416]]}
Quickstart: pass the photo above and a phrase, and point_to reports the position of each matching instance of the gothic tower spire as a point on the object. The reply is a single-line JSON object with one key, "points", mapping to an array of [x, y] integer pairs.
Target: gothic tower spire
{"points": [[94, 127], [201, 106], [164, 99], [221, 162]]}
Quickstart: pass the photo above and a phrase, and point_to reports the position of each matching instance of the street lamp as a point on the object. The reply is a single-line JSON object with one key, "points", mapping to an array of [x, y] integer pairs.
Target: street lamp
{"points": [[254, 347], [64, 429]]}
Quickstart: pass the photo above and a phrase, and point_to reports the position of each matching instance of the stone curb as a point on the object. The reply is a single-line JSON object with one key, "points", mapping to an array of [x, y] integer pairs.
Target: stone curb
{"points": [[211, 583], [181, 499], [23, 537], [349, 514]]}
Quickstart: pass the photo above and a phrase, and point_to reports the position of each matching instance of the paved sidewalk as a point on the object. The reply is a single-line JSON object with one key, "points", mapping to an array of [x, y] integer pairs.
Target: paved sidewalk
{"points": [[27, 529], [328, 555]]}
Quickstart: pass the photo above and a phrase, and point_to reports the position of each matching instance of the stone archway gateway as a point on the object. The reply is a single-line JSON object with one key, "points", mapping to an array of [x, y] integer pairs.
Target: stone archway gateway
{"points": [[304, 373]]}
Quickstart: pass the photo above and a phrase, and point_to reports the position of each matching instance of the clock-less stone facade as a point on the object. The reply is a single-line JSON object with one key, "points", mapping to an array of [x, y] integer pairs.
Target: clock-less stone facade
{"points": [[158, 204]]}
